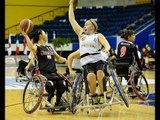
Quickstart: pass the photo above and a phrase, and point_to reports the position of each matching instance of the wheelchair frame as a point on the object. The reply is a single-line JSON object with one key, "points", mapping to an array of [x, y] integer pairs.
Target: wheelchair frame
{"points": [[84, 97], [78, 96], [117, 93], [34, 94], [141, 83]]}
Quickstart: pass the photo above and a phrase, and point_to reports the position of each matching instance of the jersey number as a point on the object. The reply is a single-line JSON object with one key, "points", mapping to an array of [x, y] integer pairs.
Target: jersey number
{"points": [[123, 51]]}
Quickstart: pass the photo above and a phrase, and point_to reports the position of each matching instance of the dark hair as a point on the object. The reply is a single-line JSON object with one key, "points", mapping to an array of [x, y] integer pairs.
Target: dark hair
{"points": [[126, 33], [35, 35]]}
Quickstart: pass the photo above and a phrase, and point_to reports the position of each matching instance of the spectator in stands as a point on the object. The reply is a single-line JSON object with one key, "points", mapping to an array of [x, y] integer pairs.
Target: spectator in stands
{"points": [[143, 53], [46, 62], [146, 46], [91, 58], [150, 57], [150, 52], [127, 53]]}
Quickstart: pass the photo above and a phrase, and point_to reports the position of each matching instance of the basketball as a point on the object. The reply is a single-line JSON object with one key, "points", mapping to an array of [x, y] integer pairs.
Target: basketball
{"points": [[26, 25]]}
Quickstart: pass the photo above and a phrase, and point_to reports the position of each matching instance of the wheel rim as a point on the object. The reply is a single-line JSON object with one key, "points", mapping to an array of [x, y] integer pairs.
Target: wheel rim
{"points": [[32, 95], [142, 88]]}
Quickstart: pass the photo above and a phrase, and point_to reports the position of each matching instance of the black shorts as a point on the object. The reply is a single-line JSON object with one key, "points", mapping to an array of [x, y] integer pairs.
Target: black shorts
{"points": [[93, 67], [57, 80], [122, 70], [52, 76]]}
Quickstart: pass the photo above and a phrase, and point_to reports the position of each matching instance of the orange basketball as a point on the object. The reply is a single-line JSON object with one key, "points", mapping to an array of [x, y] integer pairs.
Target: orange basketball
{"points": [[26, 25]]}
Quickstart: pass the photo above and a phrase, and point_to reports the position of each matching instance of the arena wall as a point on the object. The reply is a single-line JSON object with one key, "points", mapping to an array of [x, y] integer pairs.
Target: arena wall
{"points": [[16, 10]]}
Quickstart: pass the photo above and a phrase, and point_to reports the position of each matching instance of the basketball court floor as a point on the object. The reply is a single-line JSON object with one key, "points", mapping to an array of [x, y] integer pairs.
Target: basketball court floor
{"points": [[137, 110]]}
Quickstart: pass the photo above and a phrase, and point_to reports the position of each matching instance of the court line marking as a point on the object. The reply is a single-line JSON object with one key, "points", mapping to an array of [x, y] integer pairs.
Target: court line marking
{"points": [[13, 104]]}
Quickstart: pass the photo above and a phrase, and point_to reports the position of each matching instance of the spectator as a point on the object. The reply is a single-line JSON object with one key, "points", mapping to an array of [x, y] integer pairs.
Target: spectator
{"points": [[150, 57], [144, 54]]}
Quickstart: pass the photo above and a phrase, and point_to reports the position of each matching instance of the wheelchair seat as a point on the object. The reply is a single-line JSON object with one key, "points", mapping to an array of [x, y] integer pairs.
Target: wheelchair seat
{"points": [[76, 66], [122, 69]]}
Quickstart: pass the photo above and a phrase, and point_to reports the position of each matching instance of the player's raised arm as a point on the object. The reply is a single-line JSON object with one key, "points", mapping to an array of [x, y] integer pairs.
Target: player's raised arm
{"points": [[76, 27]]}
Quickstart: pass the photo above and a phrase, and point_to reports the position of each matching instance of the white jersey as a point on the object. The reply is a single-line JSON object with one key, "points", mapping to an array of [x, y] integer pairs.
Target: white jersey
{"points": [[76, 64], [104, 55], [90, 49]]}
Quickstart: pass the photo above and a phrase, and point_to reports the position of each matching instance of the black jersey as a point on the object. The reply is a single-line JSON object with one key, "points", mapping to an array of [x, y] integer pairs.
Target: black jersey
{"points": [[127, 52], [46, 61]]}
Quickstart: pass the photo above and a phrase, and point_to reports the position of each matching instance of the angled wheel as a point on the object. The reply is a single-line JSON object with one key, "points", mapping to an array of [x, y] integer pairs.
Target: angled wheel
{"points": [[141, 89], [109, 88], [29, 73], [77, 92], [119, 88], [66, 97], [32, 94]]}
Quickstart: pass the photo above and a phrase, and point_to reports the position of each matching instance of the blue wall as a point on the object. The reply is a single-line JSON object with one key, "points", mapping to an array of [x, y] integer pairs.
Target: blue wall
{"points": [[75, 46], [151, 41], [142, 37], [112, 41]]}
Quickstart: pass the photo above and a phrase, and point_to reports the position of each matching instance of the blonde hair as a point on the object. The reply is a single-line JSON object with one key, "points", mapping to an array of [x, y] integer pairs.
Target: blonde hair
{"points": [[94, 23]]}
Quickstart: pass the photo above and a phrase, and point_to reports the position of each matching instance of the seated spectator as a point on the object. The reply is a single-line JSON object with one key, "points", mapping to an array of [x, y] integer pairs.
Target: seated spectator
{"points": [[143, 56], [150, 57], [146, 46]]}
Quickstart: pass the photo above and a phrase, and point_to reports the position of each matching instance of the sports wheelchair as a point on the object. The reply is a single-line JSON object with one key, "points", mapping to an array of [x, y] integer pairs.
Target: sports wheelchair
{"points": [[139, 85], [113, 91], [35, 95]]}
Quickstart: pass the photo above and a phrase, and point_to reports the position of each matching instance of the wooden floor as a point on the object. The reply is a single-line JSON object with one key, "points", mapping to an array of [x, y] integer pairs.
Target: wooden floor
{"points": [[14, 110]]}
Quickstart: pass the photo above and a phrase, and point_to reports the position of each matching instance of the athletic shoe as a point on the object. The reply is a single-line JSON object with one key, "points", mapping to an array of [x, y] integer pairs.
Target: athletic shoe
{"points": [[101, 100], [60, 106], [95, 100]]}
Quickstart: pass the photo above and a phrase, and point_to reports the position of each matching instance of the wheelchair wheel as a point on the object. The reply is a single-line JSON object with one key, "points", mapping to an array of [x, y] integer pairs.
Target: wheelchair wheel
{"points": [[29, 73], [66, 97], [142, 88], [78, 92], [32, 94], [119, 87], [20, 77], [109, 88]]}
